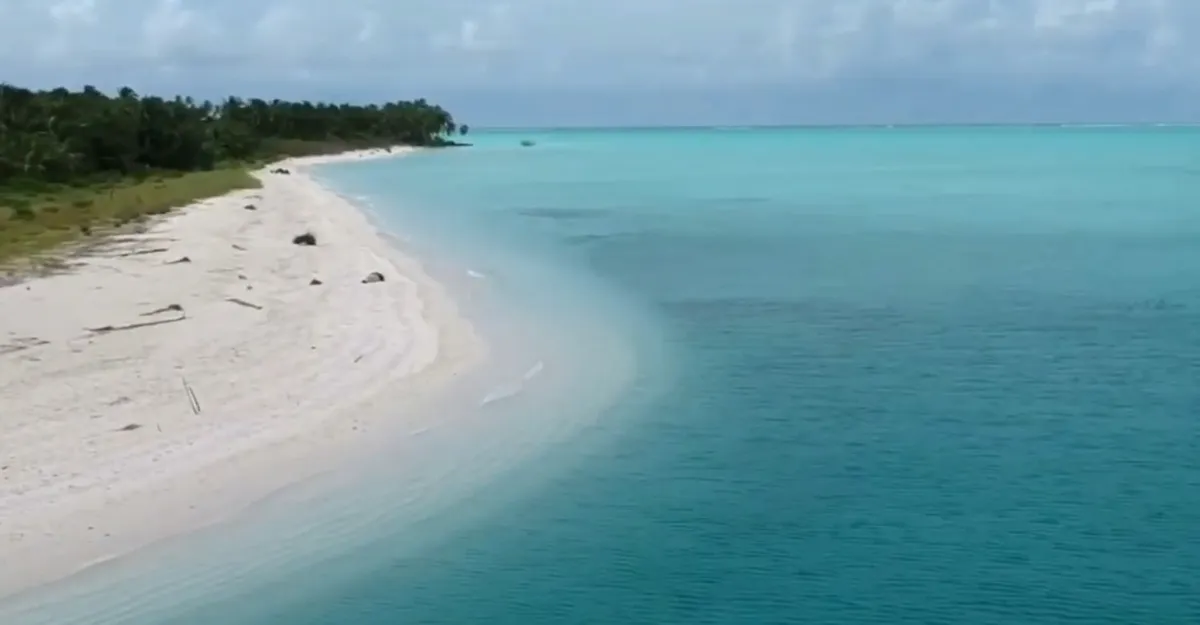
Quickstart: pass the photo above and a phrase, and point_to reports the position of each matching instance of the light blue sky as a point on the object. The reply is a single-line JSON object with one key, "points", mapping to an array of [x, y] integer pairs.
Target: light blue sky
{"points": [[631, 61]]}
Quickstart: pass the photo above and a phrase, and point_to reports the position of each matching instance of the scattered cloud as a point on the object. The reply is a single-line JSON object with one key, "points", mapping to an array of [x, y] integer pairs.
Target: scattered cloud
{"points": [[619, 43]]}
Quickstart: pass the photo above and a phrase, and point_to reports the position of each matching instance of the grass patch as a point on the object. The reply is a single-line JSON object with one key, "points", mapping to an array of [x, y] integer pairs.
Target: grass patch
{"points": [[33, 221]]}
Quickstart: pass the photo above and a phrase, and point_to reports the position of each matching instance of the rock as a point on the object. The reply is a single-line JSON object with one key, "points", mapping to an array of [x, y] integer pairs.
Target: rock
{"points": [[305, 239], [315, 282], [374, 276], [250, 207]]}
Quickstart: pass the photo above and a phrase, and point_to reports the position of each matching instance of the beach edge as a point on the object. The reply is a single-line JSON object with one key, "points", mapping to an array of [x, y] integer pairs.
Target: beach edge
{"points": [[55, 527]]}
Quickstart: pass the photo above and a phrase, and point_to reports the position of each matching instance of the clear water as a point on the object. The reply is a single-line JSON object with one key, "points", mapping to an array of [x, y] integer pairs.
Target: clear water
{"points": [[845, 376]]}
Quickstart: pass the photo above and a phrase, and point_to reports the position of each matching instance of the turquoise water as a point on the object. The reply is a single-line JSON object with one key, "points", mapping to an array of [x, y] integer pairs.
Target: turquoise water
{"points": [[800, 376]]}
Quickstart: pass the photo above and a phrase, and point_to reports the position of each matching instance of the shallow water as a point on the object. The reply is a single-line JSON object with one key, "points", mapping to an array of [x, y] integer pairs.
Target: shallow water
{"points": [[785, 376]]}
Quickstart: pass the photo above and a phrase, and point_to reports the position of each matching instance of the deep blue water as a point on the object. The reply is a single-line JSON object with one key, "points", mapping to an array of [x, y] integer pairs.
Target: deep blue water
{"points": [[891, 376]]}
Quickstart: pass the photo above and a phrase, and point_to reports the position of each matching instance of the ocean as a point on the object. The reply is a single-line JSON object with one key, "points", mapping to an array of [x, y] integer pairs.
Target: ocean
{"points": [[759, 376]]}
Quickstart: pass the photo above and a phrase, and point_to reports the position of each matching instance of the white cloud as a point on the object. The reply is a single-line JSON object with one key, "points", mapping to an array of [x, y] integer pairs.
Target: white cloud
{"points": [[67, 18], [366, 28], [490, 30], [172, 33], [473, 42], [69, 11]]}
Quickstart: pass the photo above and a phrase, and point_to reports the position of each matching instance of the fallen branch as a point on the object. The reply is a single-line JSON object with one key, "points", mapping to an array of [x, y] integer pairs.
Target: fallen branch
{"points": [[168, 308], [181, 259], [156, 250], [133, 326], [192, 401], [242, 302], [21, 345]]}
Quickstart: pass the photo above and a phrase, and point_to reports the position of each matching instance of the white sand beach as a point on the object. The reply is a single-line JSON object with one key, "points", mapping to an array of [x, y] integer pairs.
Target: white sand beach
{"points": [[142, 397]]}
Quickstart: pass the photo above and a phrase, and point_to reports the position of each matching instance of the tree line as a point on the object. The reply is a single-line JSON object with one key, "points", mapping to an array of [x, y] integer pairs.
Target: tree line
{"points": [[63, 136]]}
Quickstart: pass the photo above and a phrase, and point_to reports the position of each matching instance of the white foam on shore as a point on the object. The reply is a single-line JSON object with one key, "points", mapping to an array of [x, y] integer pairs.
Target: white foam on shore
{"points": [[290, 379], [534, 370]]}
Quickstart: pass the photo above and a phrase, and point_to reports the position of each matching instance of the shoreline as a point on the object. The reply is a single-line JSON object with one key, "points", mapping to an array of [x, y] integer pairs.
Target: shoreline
{"points": [[206, 385]]}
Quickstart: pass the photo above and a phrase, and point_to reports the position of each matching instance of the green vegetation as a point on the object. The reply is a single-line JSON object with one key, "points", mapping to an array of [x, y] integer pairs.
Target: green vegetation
{"points": [[74, 162], [40, 221]]}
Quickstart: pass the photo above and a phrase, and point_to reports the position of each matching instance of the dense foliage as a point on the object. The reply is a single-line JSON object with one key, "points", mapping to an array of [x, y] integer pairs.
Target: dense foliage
{"points": [[63, 136]]}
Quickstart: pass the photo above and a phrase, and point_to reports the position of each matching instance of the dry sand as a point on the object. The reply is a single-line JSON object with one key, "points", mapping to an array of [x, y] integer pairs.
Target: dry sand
{"points": [[251, 378]]}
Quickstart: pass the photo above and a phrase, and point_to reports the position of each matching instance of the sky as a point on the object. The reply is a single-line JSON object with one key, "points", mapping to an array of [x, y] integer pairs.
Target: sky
{"points": [[552, 62]]}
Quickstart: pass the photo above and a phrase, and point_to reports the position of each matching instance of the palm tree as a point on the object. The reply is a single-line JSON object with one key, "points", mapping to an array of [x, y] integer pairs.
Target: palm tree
{"points": [[61, 135]]}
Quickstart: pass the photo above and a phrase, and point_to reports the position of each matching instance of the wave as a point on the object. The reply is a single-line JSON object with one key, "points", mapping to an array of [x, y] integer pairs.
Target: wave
{"points": [[563, 213], [508, 391], [534, 371]]}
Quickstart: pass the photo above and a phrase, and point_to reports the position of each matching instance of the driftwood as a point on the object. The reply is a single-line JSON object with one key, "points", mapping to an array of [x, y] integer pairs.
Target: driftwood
{"points": [[21, 345], [168, 308], [242, 302], [134, 326], [192, 401], [131, 427], [156, 250], [238, 247], [181, 259]]}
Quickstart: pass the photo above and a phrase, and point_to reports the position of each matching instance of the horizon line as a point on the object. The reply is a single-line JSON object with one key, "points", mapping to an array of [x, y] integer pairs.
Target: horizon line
{"points": [[839, 126]]}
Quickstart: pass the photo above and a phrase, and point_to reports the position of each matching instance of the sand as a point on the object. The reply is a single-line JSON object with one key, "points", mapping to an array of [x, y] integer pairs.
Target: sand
{"points": [[243, 378]]}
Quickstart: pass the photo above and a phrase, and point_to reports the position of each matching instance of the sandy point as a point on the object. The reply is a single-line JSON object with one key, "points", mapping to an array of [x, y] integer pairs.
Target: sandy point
{"points": [[175, 376]]}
